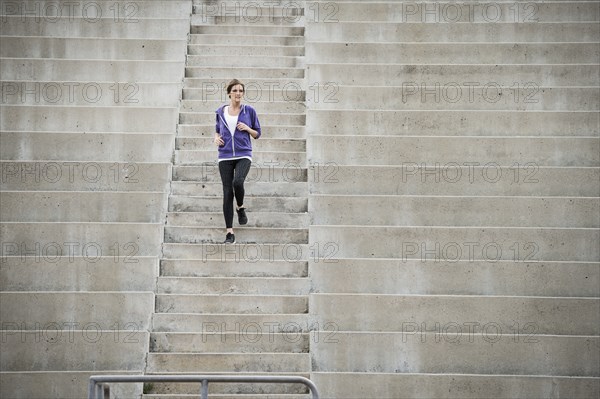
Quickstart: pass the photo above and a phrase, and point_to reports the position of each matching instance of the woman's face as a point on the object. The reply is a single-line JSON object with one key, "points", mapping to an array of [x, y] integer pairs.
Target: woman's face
{"points": [[236, 93]]}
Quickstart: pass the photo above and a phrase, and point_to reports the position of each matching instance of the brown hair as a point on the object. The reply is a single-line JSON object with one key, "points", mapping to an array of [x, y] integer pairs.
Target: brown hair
{"points": [[232, 83]]}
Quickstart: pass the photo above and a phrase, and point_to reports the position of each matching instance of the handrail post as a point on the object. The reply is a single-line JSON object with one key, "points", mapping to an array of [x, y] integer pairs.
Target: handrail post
{"points": [[98, 394], [92, 389], [204, 389]]}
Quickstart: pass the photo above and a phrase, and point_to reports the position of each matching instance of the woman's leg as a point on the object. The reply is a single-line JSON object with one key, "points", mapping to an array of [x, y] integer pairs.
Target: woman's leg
{"points": [[242, 168], [226, 169]]}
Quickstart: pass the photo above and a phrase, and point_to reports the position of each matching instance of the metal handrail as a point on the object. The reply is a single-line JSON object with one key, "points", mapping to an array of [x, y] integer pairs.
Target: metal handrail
{"points": [[98, 388]]}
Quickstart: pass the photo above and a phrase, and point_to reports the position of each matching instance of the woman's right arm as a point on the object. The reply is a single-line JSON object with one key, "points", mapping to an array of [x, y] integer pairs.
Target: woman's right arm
{"points": [[218, 140]]}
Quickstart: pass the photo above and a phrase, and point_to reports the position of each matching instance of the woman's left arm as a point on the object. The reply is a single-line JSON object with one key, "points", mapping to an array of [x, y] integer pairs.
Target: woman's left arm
{"points": [[245, 128]]}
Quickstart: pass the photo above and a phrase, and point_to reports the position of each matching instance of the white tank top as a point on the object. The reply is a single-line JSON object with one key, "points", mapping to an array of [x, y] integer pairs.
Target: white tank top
{"points": [[231, 120]]}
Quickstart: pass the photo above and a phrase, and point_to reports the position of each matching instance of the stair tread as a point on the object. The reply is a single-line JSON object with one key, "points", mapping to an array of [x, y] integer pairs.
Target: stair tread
{"points": [[237, 296], [249, 279], [258, 196]]}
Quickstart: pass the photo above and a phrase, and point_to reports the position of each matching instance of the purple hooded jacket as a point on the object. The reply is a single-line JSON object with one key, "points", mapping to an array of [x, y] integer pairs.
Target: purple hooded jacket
{"points": [[238, 145]]}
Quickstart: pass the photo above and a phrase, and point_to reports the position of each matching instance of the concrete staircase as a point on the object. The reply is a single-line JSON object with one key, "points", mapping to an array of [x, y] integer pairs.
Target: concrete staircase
{"points": [[461, 202], [90, 96], [239, 308]]}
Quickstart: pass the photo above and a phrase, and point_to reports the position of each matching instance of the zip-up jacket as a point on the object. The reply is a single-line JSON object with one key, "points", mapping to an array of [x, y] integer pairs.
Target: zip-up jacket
{"points": [[239, 144]]}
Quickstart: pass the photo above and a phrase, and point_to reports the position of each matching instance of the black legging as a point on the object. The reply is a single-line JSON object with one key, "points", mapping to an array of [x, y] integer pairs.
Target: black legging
{"points": [[233, 173]]}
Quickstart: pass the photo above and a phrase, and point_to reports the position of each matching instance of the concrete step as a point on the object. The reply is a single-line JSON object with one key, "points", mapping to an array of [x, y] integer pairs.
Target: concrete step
{"points": [[464, 123], [572, 11], [227, 49], [92, 26], [251, 340], [345, 32], [195, 157], [223, 390], [259, 219], [518, 315], [55, 94], [203, 113], [99, 49], [250, 61], [265, 84], [259, 173], [215, 204], [449, 53], [233, 285], [452, 96], [224, 4], [218, 268], [227, 362], [282, 126], [244, 72], [243, 30], [238, 304], [259, 93], [60, 207], [397, 150], [263, 189], [242, 252], [227, 323], [267, 16], [284, 119], [251, 39], [277, 131], [234, 396], [455, 211], [88, 119], [395, 276], [51, 348], [374, 73], [90, 240], [376, 385], [78, 274], [266, 144], [432, 179], [118, 147], [397, 353], [249, 12], [50, 311], [70, 384], [460, 243], [84, 176], [121, 11], [266, 107], [251, 234]]}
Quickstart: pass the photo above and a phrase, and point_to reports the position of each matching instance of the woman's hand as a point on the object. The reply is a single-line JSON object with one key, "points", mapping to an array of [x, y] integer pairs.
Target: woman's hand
{"points": [[245, 128], [219, 140]]}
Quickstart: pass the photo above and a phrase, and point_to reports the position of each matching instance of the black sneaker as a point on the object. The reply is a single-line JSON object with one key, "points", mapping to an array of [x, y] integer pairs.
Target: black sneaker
{"points": [[230, 238], [242, 218]]}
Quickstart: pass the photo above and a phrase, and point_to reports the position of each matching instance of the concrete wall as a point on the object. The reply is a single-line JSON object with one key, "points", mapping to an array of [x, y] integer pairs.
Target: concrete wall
{"points": [[455, 197], [90, 98]]}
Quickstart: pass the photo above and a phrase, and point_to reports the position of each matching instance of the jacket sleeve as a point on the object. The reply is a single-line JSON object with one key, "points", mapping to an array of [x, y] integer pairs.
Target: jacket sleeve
{"points": [[217, 128], [256, 123]]}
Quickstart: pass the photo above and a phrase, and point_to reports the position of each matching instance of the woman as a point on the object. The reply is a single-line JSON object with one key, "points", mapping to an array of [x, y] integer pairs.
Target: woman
{"points": [[236, 123]]}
